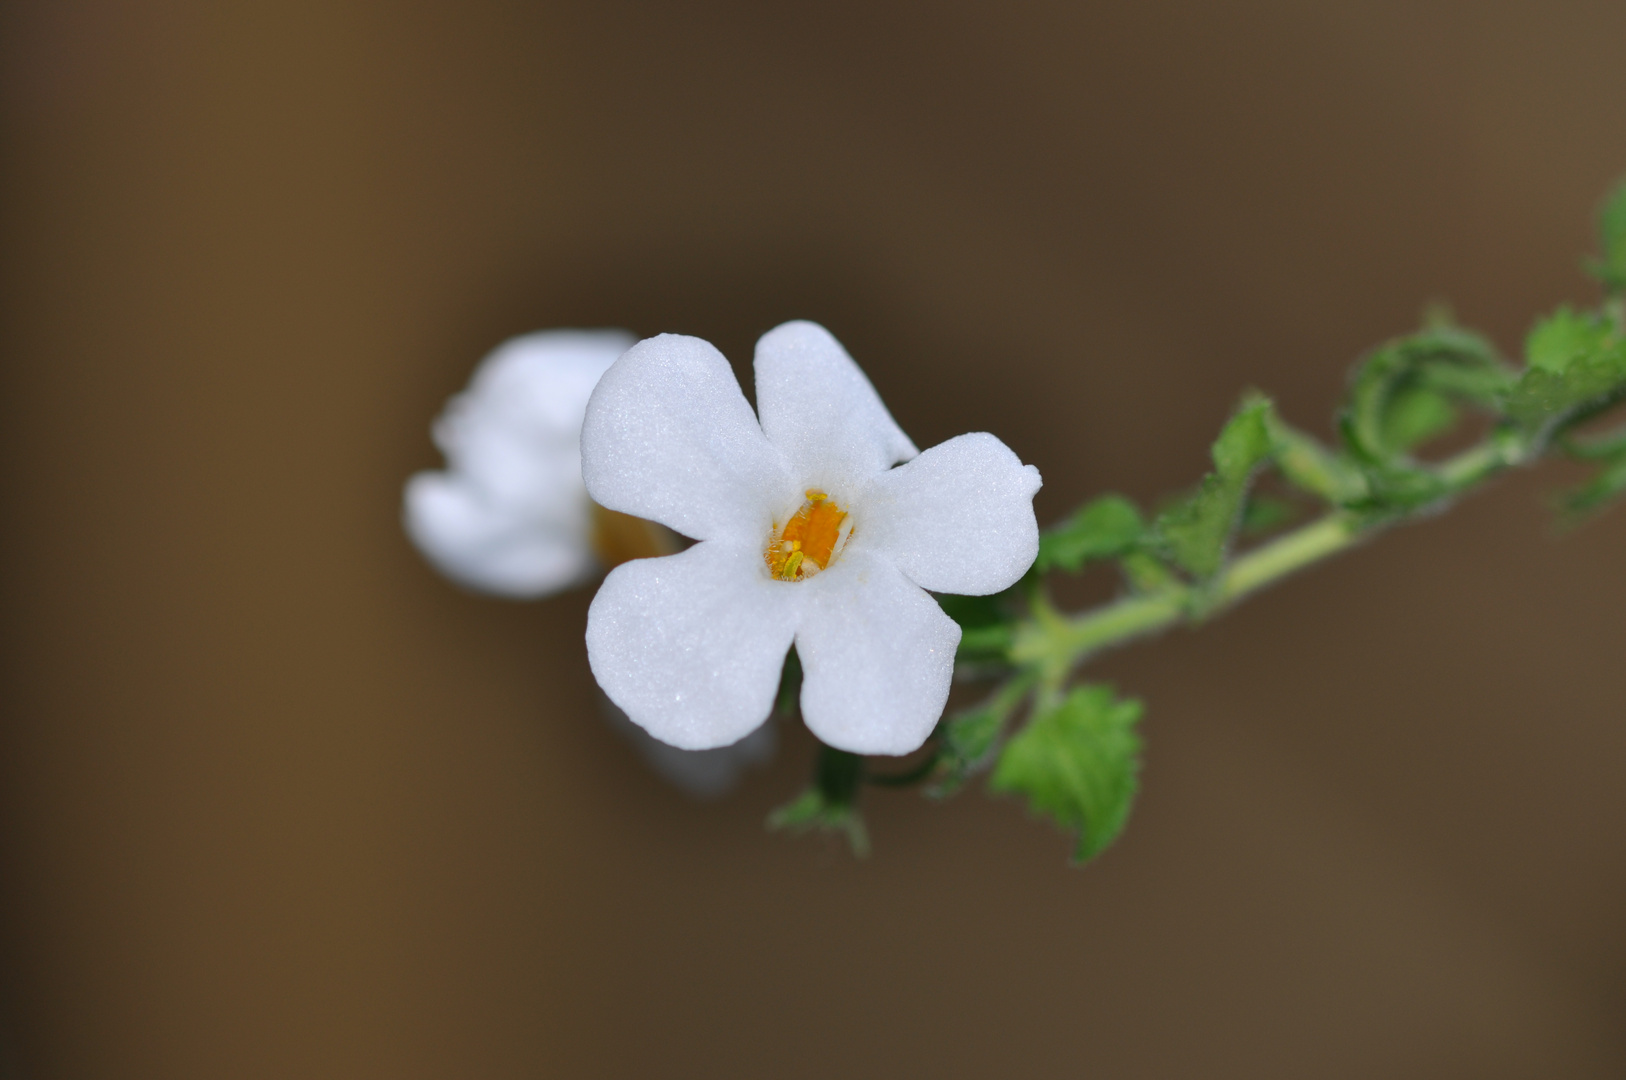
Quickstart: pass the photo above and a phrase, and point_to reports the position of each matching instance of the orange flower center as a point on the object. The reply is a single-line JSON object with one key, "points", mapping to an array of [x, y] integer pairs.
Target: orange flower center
{"points": [[809, 540]]}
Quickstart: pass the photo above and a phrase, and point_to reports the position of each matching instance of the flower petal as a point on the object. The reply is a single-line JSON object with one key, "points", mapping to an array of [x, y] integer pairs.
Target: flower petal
{"points": [[877, 655], [820, 410], [509, 514], [520, 420], [691, 645], [486, 544], [669, 437], [956, 519]]}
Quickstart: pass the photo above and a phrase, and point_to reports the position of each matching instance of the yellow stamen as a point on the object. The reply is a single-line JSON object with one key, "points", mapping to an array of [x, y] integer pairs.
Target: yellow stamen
{"points": [[809, 539]]}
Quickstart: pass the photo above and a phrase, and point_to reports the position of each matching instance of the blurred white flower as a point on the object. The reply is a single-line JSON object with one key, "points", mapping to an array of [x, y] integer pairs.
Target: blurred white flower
{"points": [[705, 774], [510, 515], [807, 535]]}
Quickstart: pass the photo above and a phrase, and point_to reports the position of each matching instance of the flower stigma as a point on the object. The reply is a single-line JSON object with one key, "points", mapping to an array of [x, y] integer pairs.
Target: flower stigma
{"points": [[810, 540]]}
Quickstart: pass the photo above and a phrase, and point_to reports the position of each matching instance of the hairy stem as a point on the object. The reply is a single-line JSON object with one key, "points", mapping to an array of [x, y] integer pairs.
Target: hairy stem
{"points": [[1053, 644], [1311, 543]]}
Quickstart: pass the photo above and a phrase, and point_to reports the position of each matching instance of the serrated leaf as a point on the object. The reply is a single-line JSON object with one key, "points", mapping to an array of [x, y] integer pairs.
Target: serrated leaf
{"points": [[1405, 391], [1104, 528], [1078, 764], [1542, 398], [1577, 362], [1563, 339], [1611, 267], [1197, 531]]}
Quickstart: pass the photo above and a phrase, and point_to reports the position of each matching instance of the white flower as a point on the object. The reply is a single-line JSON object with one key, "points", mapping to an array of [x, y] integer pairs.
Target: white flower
{"points": [[510, 514], [807, 535]]}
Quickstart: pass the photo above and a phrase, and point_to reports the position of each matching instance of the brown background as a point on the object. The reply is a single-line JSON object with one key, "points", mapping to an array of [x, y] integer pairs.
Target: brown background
{"points": [[279, 802]]}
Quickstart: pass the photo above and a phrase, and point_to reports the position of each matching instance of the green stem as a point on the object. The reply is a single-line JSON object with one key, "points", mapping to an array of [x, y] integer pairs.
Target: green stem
{"points": [[1596, 448], [1313, 542], [1473, 467], [1052, 645], [1054, 650]]}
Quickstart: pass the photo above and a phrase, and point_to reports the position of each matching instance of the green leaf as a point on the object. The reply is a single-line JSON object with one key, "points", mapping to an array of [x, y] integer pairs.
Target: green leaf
{"points": [[831, 803], [1608, 484], [1406, 391], [967, 740], [1609, 445], [1416, 415], [1105, 528], [1078, 764], [1611, 267], [1577, 364], [1197, 531], [1244, 441], [1563, 339], [1312, 467], [1146, 572], [1261, 513]]}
